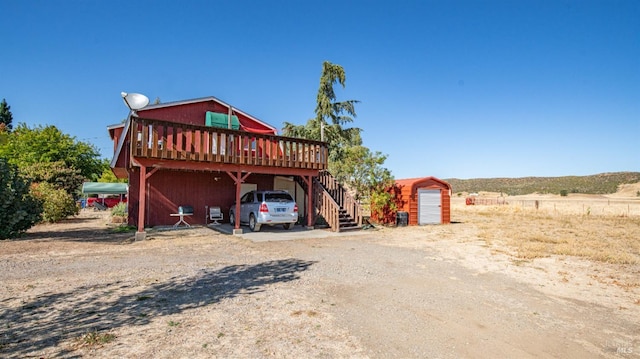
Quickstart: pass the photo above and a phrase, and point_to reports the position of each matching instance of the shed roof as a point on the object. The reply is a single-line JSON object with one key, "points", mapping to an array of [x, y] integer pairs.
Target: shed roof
{"points": [[412, 182]]}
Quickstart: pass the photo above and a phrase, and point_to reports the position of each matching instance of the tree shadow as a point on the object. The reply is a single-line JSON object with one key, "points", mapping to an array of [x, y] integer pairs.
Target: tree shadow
{"points": [[105, 235], [52, 318]]}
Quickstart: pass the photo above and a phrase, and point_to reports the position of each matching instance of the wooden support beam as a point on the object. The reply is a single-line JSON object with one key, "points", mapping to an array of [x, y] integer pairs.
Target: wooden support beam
{"points": [[149, 174], [310, 208], [238, 178], [142, 196]]}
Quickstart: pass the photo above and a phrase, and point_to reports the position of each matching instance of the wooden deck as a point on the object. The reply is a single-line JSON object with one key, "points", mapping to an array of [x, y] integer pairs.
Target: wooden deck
{"points": [[163, 140]]}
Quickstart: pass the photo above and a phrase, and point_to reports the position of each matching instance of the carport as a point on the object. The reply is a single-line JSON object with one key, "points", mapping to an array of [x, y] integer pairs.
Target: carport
{"points": [[103, 189]]}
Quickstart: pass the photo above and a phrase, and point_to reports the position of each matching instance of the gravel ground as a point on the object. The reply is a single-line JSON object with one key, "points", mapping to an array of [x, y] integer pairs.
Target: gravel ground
{"points": [[78, 290]]}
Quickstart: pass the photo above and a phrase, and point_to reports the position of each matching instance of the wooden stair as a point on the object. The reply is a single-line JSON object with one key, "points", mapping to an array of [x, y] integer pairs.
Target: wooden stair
{"points": [[341, 211]]}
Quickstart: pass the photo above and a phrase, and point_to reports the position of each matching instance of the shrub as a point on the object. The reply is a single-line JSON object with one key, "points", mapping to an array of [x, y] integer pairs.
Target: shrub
{"points": [[56, 173], [119, 210], [57, 203], [563, 192], [19, 210]]}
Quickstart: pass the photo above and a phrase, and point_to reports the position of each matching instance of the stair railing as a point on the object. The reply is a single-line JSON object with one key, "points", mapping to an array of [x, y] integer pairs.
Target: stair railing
{"points": [[327, 207], [341, 196]]}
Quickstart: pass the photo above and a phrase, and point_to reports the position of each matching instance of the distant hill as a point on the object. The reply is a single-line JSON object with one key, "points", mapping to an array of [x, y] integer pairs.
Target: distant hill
{"points": [[603, 183]]}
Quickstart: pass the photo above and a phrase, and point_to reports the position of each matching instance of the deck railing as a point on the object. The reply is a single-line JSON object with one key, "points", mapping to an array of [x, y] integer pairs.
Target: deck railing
{"points": [[157, 139]]}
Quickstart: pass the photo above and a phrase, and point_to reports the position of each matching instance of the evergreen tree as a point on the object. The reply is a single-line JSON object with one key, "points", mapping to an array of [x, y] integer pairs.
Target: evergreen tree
{"points": [[351, 163], [6, 117]]}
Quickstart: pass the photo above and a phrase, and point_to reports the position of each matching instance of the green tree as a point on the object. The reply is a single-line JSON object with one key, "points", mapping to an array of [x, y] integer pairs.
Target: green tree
{"points": [[19, 209], [57, 203], [55, 173], [107, 175], [331, 115], [327, 108], [351, 163], [6, 117], [363, 171], [28, 146]]}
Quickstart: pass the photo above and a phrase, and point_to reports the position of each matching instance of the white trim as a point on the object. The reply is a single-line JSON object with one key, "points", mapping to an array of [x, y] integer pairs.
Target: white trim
{"points": [[123, 136]]}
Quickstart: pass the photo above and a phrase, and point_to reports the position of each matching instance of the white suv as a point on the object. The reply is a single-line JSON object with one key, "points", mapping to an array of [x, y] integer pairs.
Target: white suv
{"points": [[266, 207]]}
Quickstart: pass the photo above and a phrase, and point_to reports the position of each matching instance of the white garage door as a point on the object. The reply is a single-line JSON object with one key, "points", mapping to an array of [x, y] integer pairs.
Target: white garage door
{"points": [[429, 206]]}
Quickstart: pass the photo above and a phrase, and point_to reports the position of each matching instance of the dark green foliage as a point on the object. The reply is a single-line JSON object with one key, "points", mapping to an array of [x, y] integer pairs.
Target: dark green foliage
{"points": [[6, 117], [57, 203], [55, 173], [595, 184], [19, 210], [26, 146], [351, 163], [331, 115], [563, 192]]}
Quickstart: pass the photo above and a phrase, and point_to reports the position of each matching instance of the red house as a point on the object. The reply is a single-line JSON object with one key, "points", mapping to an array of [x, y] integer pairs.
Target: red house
{"points": [[206, 153]]}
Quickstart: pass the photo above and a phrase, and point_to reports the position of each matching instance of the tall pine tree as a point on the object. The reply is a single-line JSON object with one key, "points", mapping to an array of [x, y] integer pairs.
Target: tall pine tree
{"points": [[6, 117]]}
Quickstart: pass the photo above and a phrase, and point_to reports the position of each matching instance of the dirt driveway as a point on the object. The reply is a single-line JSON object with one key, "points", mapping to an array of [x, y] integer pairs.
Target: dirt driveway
{"points": [[76, 289]]}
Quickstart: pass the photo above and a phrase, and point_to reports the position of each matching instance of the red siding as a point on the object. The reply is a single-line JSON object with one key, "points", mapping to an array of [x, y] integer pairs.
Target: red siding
{"points": [[195, 114], [169, 189]]}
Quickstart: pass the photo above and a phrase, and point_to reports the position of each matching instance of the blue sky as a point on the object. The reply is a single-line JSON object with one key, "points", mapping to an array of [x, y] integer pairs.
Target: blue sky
{"points": [[460, 89]]}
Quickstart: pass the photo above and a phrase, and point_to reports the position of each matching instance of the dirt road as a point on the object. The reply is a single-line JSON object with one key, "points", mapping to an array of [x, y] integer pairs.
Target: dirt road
{"points": [[422, 292]]}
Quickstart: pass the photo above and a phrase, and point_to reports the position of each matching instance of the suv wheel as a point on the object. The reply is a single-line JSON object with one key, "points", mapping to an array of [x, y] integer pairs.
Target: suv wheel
{"points": [[253, 224], [288, 225], [232, 218]]}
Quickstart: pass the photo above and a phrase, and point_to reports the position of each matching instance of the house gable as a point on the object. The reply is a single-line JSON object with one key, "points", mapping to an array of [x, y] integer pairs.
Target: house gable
{"points": [[193, 112]]}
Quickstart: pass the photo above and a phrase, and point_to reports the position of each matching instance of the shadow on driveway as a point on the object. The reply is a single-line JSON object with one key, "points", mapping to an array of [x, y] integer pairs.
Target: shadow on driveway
{"points": [[52, 318]]}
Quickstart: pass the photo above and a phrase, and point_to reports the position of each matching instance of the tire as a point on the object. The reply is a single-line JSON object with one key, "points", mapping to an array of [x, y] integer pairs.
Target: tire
{"points": [[288, 225], [232, 219], [254, 226]]}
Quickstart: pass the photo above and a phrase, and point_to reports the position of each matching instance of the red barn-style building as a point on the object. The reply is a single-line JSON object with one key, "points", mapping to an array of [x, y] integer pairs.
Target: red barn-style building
{"points": [[427, 200], [206, 153]]}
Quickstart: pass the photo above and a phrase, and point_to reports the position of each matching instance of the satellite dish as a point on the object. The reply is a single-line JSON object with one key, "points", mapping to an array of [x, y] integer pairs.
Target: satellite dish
{"points": [[135, 101]]}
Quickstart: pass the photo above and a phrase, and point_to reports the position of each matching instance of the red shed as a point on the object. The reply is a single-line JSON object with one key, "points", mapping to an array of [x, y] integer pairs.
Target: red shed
{"points": [[427, 200]]}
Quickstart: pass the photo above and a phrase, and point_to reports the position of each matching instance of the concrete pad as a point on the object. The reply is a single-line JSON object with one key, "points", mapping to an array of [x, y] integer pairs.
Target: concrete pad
{"points": [[278, 233]]}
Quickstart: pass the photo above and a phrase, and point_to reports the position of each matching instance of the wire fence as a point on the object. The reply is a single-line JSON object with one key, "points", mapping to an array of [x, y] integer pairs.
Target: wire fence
{"points": [[595, 206]]}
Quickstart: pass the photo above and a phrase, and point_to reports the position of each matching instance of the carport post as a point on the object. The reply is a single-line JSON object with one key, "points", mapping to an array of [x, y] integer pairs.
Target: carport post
{"points": [[142, 195], [310, 207], [238, 178]]}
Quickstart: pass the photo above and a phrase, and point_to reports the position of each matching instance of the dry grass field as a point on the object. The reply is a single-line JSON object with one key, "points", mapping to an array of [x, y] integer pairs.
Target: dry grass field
{"points": [[604, 231]]}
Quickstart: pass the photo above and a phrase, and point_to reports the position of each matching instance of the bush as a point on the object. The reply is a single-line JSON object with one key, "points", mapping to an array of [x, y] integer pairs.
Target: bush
{"points": [[563, 193], [57, 203], [119, 210], [19, 210], [56, 173]]}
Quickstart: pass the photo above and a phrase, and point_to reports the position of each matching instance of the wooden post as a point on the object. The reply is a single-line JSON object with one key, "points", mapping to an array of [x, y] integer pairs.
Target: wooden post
{"points": [[310, 208], [142, 196], [238, 178]]}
